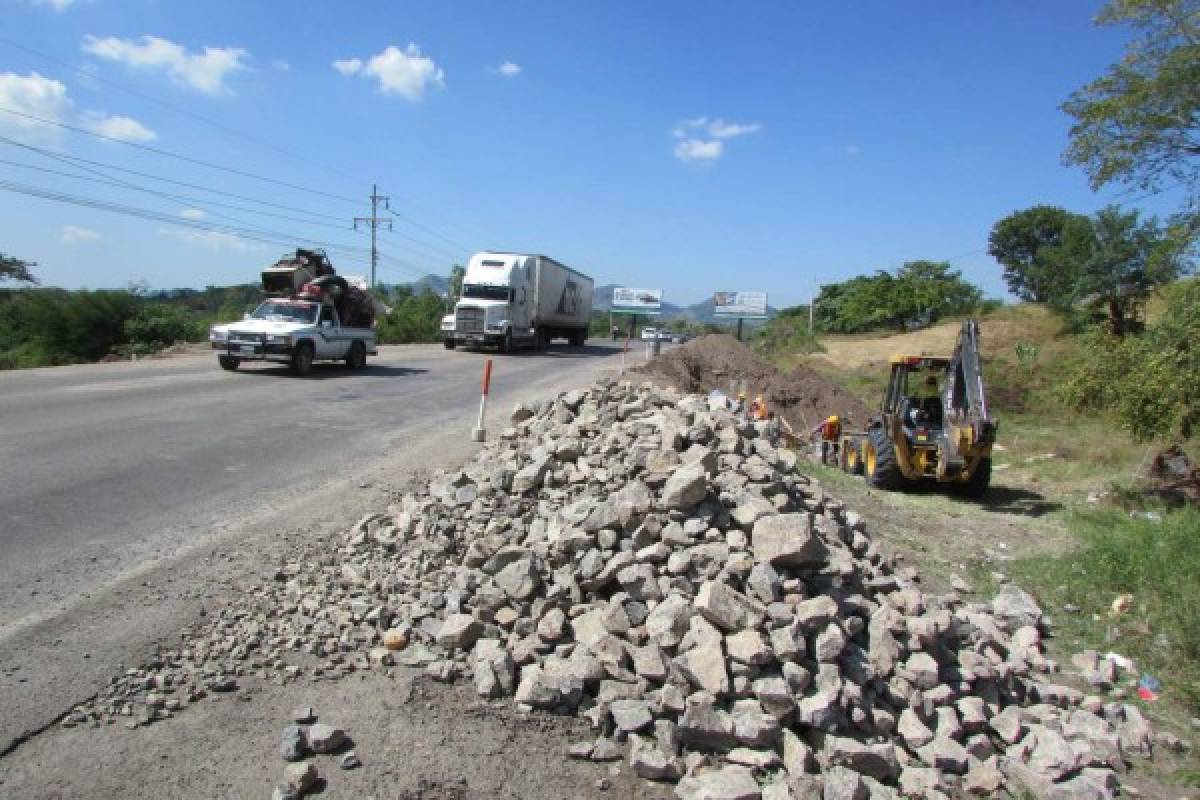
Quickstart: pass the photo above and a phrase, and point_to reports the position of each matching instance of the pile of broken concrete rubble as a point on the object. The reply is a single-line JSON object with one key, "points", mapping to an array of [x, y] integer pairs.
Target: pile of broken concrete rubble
{"points": [[632, 555]]}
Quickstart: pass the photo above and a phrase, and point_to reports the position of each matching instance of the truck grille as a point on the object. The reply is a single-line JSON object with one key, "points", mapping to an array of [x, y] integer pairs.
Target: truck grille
{"points": [[247, 338], [469, 320]]}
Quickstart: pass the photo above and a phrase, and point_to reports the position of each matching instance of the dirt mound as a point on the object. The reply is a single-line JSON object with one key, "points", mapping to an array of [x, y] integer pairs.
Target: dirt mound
{"points": [[802, 396]]}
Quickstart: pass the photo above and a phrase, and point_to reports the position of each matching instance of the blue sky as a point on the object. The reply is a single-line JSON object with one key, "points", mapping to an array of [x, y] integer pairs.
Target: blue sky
{"points": [[694, 146]]}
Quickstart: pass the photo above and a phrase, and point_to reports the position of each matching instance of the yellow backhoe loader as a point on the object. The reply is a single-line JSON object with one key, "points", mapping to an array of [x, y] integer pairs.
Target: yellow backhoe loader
{"points": [[933, 425]]}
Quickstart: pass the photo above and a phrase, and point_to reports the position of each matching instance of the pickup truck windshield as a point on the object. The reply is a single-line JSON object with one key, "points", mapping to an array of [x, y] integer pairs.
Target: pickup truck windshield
{"points": [[286, 310], [484, 292]]}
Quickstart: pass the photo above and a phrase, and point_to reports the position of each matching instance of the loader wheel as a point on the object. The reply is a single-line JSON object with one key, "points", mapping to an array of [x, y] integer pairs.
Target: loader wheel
{"points": [[357, 357], [302, 359], [880, 468], [229, 362], [977, 485]]}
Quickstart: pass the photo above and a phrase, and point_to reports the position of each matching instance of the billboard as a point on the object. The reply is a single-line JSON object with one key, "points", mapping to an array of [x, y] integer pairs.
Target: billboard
{"points": [[740, 304], [636, 301]]}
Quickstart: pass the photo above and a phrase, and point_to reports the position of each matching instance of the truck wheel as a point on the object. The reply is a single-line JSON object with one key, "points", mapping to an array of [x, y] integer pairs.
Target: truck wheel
{"points": [[357, 357], [880, 468], [228, 362], [507, 345], [977, 485], [448, 344], [302, 359]]}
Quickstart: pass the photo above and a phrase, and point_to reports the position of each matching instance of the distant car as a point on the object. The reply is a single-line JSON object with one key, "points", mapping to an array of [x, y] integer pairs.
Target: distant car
{"points": [[649, 334]]}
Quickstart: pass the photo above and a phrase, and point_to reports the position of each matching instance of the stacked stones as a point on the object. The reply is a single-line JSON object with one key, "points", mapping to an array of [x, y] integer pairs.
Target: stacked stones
{"points": [[653, 562]]}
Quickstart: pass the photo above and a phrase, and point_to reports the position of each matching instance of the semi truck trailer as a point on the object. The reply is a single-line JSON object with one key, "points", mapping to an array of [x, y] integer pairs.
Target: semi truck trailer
{"points": [[514, 300]]}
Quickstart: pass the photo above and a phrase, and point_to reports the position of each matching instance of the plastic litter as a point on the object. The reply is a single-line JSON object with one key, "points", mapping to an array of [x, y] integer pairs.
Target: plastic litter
{"points": [[1148, 688]]}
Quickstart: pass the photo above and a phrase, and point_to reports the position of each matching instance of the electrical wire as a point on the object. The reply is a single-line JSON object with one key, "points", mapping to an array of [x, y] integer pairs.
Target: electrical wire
{"points": [[160, 151]]}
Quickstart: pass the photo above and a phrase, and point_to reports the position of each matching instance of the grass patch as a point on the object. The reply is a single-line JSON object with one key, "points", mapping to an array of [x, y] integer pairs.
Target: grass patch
{"points": [[1159, 564]]}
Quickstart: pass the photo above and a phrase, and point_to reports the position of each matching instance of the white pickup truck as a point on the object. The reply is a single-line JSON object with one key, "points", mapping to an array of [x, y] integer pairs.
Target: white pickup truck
{"points": [[295, 332]]}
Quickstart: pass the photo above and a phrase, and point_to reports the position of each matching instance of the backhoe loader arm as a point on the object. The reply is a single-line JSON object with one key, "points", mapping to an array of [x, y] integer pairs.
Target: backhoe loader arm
{"points": [[965, 401]]}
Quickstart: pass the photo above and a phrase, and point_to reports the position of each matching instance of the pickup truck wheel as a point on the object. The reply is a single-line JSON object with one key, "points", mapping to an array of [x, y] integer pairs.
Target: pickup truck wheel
{"points": [[228, 362], [302, 359], [448, 344], [357, 357]]}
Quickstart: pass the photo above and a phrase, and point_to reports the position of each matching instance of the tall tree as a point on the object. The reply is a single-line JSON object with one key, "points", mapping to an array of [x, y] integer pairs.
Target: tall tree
{"points": [[14, 269], [1139, 123], [1128, 258], [1041, 249]]}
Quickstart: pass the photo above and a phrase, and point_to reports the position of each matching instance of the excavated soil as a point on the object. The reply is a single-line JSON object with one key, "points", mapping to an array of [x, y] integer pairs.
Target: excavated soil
{"points": [[718, 361]]}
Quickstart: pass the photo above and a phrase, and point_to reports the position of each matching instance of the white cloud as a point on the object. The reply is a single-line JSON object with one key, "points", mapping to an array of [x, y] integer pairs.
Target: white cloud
{"points": [[404, 72], [216, 240], [192, 213], [73, 234], [46, 98], [727, 130], [57, 5], [204, 72], [348, 66], [703, 139], [281, 65], [509, 70], [699, 149], [37, 96], [125, 129]]}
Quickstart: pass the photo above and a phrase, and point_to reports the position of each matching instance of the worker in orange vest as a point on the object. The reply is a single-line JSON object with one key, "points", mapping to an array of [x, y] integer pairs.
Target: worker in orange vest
{"points": [[830, 430], [758, 409]]}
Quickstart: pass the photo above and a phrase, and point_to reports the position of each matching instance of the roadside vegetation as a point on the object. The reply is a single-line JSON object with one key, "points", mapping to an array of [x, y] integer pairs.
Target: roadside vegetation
{"points": [[49, 327]]}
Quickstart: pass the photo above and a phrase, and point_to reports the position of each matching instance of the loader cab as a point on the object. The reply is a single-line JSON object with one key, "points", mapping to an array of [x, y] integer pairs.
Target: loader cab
{"points": [[914, 392]]}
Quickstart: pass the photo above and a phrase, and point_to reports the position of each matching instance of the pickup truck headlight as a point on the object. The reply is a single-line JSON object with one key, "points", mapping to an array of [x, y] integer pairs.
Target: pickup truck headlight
{"points": [[217, 335]]}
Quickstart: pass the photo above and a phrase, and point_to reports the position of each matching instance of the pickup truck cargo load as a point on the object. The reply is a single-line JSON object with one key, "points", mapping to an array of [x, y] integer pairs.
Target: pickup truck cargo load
{"points": [[514, 300]]}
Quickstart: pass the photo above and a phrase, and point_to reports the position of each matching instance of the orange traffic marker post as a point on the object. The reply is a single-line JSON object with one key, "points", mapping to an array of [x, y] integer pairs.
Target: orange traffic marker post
{"points": [[479, 434]]}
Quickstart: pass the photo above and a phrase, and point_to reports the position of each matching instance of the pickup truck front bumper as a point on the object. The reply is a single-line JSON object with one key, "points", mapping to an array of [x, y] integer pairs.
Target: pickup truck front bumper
{"points": [[255, 352]]}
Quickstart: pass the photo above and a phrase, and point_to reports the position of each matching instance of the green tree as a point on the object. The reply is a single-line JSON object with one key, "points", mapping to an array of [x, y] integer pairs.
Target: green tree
{"points": [[1128, 258], [1139, 123], [1041, 249], [14, 269], [929, 290], [1150, 382], [919, 292]]}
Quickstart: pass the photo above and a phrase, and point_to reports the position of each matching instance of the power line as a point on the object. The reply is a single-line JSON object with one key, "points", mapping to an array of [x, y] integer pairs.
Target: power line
{"points": [[171, 107], [181, 157], [261, 235], [195, 201], [172, 181]]}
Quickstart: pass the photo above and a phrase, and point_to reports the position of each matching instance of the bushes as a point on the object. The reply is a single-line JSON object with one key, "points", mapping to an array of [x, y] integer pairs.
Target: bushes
{"points": [[1149, 382], [43, 327], [160, 325]]}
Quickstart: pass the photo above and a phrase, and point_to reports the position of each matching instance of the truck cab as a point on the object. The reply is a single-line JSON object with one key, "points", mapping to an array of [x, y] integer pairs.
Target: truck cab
{"points": [[293, 331], [513, 300]]}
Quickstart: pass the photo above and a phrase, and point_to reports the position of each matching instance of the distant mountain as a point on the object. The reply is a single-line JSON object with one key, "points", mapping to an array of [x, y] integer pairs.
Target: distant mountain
{"points": [[697, 312]]}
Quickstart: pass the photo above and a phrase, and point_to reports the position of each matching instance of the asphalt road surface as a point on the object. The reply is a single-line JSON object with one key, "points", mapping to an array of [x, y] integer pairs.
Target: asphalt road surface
{"points": [[133, 494]]}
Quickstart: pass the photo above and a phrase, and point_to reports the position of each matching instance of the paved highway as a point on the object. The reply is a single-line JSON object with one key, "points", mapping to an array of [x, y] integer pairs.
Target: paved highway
{"points": [[124, 487]]}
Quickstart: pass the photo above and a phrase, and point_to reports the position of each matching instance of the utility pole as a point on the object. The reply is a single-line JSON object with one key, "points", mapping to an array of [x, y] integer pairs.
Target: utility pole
{"points": [[374, 221], [812, 304]]}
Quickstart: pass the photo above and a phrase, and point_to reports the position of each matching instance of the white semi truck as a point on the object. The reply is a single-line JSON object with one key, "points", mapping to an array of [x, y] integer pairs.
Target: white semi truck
{"points": [[512, 300]]}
